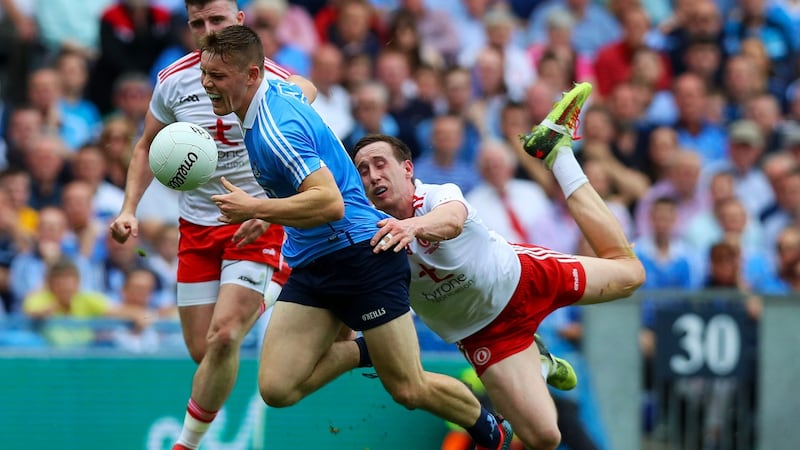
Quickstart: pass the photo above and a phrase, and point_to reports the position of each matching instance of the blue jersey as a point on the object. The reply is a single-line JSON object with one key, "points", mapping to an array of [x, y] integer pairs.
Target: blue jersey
{"points": [[287, 141]]}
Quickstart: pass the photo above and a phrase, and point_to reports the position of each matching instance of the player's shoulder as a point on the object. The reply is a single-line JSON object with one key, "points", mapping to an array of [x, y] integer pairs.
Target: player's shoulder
{"points": [[180, 66], [274, 71]]}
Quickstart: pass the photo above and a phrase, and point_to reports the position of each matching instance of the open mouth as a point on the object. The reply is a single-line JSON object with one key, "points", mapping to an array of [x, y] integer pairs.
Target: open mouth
{"points": [[379, 190]]}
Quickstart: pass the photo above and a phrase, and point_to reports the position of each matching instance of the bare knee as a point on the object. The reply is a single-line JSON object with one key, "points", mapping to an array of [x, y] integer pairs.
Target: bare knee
{"points": [[224, 338], [276, 393], [406, 394], [197, 348], [547, 438], [636, 276]]}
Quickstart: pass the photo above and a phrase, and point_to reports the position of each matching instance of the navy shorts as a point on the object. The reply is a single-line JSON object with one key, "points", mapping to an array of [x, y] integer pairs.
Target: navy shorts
{"points": [[361, 288]]}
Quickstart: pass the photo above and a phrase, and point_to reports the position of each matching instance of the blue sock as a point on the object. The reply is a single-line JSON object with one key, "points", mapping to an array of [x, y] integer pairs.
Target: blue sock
{"points": [[363, 354], [486, 431]]}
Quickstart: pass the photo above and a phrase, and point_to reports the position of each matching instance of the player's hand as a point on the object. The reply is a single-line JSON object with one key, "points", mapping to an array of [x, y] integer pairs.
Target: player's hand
{"points": [[393, 234], [123, 227], [249, 231], [236, 206]]}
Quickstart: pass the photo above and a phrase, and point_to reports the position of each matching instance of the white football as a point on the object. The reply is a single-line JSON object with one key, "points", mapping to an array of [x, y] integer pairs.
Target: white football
{"points": [[183, 156]]}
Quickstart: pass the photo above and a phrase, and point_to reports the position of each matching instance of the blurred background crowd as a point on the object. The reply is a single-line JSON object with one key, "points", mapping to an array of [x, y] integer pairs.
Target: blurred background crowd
{"points": [[692, 134]]}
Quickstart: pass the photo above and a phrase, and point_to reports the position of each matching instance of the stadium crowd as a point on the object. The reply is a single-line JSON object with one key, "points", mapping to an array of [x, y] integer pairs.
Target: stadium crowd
{"points": [[692, 135]]}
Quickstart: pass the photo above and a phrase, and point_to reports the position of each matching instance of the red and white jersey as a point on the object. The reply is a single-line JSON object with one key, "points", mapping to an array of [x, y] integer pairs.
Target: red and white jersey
{"points": [[179, 97], [459, 286]]}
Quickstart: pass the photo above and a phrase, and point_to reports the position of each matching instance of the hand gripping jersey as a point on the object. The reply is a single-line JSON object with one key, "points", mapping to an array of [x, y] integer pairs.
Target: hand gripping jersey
{"points": [[179, 97], [459, 286]]}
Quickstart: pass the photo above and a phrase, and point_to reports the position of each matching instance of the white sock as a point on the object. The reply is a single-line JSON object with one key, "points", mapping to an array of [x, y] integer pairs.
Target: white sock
{"points": [[545, 368], [192, 431], [568, 172]]}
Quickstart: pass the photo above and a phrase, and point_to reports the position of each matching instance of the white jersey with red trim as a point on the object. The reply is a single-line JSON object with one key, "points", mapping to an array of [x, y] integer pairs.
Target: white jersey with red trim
{"points": [[460, 285], [179, 97]]}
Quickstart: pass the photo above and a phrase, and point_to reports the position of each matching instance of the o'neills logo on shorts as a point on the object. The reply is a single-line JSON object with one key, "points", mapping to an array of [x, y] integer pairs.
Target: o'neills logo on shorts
{"points": [[481, 356], [179, 178]]}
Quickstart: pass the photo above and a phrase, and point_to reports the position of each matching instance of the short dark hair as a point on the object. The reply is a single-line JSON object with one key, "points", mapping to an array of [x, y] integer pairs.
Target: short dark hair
{"points": [[399, 148], [236, 44]]}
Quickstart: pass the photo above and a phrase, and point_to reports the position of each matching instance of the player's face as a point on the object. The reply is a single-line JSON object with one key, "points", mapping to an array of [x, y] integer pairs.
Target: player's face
{"points": [[226, 84], [214, 16], [386, 180]]}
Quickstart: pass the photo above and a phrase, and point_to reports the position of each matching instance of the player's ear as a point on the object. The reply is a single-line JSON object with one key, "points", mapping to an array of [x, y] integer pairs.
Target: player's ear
{"points": [[408, 168], [253, 73]]}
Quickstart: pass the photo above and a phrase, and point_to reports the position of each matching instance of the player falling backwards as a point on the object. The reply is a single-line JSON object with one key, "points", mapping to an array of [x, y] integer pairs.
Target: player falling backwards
{"points": [[472, 287]]}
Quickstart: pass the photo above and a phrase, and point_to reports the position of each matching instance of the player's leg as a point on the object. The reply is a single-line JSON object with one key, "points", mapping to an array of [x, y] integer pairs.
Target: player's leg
{"points": [[619, 273], [236, 309], [298, 358], [519, 393], [395, 353], [195, 321]]}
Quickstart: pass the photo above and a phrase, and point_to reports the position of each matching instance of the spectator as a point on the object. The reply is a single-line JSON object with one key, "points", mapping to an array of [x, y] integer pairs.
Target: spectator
{"points": [[600, 143], [558, 44], [695, 131], [435, 28], [787, 279], [769, 23], [681, 184], [661, 147], [518, 210], [87, 233], [120, 260], [517, 72], [11, 240], [89, 166], [116, 140], [45, 93], [333, 100], [741, 81], [62, 296], [370, 109], [21, 48], [163, 260], [131, 98], [594, 25], [17, 184], [668, 262], [65, 27], [614, 62], [765, 111], [514, 123], [73, 70], [137, 335], [441, 164], [490, 90], [351, 31], [458, 101], [132, 35], [787, 206], [29, 268], [265, 18], [404, 37], [657, 102], [46, 161], [746, 147], [392, 70], [24, 122], [694, 21], [704, 57]]}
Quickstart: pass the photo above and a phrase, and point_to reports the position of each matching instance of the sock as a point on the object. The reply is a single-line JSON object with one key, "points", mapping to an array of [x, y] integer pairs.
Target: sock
{"points": [[195, 424], [363, 354], [486, 431], [568, 172], [546, 368]]}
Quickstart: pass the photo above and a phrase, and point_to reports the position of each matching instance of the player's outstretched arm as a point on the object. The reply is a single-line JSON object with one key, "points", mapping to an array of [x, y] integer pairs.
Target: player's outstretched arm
{"points": [[444, 222], [138, 179]]}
